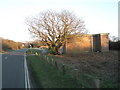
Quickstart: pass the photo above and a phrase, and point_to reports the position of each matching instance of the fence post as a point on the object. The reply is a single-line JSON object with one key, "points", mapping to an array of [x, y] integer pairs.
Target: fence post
{"points": [[39, 54], [52, 61], [47, 59], [75, 74], [63, 69], [97, 83], [56, 64]]}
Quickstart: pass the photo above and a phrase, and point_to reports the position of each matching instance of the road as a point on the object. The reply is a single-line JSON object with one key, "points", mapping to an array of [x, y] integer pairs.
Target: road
{"points": [[13, 69]]}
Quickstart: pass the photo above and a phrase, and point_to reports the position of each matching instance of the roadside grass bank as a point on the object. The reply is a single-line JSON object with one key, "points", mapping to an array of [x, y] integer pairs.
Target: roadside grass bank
{"points": [[47, 75]]}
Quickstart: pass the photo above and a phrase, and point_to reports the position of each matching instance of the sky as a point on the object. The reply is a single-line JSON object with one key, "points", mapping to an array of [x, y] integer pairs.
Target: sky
{"points": [[100, 16]]}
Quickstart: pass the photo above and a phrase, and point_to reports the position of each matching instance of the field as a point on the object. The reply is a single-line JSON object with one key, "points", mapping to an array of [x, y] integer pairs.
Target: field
{"points": [[103, 66]]}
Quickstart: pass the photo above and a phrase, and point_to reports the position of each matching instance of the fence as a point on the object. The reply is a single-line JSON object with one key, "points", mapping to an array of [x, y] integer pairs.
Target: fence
{"points": [[77, 75]]}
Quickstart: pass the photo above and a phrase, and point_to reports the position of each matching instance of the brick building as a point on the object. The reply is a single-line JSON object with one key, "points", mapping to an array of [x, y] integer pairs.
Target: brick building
{"points": [[87, 42]]}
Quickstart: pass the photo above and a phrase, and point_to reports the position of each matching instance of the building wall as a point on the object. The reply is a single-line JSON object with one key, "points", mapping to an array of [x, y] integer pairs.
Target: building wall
{"points": [[104, 42], [79, 44], [88, 43]]}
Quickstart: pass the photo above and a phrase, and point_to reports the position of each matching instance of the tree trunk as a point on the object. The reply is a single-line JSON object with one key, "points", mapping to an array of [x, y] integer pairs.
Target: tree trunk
{"points": [[54, 50]]}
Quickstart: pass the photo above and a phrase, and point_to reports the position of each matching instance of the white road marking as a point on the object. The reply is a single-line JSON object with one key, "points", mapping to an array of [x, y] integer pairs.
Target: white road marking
{"points": [[27, 81]]}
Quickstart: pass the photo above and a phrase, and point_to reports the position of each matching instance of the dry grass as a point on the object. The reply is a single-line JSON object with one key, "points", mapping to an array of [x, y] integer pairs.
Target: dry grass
{"points": [[103, 65]]}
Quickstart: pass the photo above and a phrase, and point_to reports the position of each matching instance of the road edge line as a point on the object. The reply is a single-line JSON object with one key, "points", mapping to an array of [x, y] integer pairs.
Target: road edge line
{"points": [[27, 81], [25, 72]]}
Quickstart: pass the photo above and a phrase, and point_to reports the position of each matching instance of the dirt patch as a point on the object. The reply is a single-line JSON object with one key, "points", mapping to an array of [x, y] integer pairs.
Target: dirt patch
{"points": [[104, 64]]}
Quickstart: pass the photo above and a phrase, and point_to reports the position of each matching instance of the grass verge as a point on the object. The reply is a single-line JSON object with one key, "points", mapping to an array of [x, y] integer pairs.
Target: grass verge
{"points": [[47, 76]]}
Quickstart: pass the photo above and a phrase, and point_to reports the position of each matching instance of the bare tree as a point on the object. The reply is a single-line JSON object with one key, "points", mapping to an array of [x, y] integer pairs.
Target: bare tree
{"points": [[114, 38], [54, 28]]}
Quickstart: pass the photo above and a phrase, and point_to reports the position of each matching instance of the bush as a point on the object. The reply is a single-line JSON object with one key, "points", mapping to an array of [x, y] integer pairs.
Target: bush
{"points": [[10, 45], [114, 45], [6, 47]]}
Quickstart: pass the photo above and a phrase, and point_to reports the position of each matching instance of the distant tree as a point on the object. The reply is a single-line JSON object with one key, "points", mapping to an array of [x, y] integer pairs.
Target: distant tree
{"points": [[6, 47], [10, 45], [38, 43], [114, 38], [19, 45], [53, 28]]}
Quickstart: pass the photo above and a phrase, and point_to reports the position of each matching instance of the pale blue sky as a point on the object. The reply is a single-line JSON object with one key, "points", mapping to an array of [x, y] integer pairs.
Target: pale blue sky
{"points": [[100, 16]]}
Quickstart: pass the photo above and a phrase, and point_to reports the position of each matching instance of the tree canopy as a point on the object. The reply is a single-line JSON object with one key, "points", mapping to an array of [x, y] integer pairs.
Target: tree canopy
{"points": [[9, 44]]}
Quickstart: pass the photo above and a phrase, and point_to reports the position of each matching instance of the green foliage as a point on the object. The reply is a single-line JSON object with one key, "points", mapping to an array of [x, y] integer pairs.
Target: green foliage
{"points": [[33, 51], [114, 45], [38, 43], [54, 50]]}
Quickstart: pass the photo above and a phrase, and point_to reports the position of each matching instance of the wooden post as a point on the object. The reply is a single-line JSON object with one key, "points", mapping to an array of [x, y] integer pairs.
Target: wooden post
{"points": [[97, 83], [47, 59], [63, 69], [52, 61], [75, 74], [56, 64]]}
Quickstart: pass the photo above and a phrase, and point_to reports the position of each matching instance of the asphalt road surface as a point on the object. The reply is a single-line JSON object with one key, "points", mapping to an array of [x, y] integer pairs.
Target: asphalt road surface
{"points": [[13, 72]]}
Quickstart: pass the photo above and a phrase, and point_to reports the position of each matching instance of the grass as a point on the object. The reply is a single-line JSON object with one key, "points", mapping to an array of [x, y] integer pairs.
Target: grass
{"points": [[48, 76], [33, 51]]}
